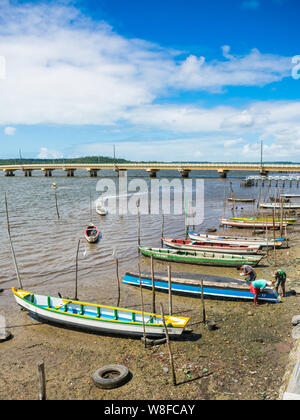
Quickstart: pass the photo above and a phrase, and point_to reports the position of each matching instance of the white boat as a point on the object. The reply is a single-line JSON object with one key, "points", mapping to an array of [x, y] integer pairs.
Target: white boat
{"points": [[100, 318], [290, 195], [291, 206], [236, 240], [101, 209], [252, 224]]}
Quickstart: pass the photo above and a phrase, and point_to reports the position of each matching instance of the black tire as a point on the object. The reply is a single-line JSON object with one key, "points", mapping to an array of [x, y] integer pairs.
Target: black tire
{"points": [[111, 376]]}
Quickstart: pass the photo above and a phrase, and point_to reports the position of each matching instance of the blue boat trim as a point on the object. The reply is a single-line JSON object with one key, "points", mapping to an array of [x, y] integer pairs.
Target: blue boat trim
{"points": [[194, 290]]}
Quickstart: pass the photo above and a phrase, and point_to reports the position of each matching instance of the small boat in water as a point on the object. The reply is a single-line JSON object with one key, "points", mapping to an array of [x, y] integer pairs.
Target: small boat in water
{"points": [[91, 233], [252, 224], [200, 257], [237, 240], [101, 209], [190, 285], [211, 246], [100, 318]]}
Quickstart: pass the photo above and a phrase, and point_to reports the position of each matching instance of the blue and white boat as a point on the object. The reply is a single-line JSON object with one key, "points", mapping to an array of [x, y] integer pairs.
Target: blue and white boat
{"points": [[213, 286]]}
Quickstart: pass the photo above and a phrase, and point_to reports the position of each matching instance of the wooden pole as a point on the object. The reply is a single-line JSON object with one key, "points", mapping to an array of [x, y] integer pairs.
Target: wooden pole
{"points": [[57, 212], [76, 274], [142, 302], [170, 290], [139, 224], [273, 217], [153, 285], [118, 281], [162, 228], [203, 304], [281, 217], [42, 381], [11, 245], [91, 212], [168, 344]]}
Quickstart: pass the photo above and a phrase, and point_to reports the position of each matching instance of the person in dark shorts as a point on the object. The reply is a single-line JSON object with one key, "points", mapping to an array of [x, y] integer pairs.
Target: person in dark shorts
{"points": [[279, 280], [248, 272]]}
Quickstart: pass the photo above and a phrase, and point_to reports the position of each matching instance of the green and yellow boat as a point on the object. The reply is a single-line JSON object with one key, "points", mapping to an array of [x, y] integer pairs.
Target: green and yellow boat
{"points": [[289, 220]]}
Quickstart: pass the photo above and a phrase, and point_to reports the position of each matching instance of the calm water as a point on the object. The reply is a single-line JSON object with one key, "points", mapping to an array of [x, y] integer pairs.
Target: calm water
{"points": [[46, 248]]}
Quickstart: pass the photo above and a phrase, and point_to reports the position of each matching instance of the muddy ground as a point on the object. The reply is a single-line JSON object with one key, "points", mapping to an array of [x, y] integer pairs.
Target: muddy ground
{"points": [[244, 358]]}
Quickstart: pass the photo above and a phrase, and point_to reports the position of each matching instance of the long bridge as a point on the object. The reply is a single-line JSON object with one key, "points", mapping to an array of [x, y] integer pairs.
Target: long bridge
{"points": [[152, 168]]}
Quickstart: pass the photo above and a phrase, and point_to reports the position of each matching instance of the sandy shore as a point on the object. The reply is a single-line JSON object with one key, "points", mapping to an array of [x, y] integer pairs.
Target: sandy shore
{"points": [[245, 358]]}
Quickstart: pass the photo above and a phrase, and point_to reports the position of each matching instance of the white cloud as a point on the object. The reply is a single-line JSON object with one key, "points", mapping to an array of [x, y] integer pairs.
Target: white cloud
{"points": [[49, 154], [63, 68], [229, 143], [9, 131]]}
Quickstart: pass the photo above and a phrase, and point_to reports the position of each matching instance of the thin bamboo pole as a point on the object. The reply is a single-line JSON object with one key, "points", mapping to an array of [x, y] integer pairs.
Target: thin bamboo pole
{"points": [[162, 228], [139, 225], [142, 303], [170, 290], [11, 245], [76, 273], [203, 304], [273, 216], [57, 212], [42, 381], [118, 281], [168, 344], [153, 285]]}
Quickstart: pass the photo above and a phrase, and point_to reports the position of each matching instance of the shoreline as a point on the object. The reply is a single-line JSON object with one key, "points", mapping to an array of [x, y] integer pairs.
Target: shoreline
{"points": [[245, 358]]}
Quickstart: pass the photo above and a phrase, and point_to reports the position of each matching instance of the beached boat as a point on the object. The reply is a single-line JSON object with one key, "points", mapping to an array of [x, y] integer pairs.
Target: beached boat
{"points": [[241, 200], [290, 195], [190, 285], [211, 246], [252, 224], [198, 257], [100, 318], [288, 206], [91, 233], [289, 220], [238, 240]]}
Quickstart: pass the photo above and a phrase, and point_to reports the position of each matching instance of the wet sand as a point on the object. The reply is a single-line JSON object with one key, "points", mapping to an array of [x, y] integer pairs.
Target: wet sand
{"points": [[245, 358]]}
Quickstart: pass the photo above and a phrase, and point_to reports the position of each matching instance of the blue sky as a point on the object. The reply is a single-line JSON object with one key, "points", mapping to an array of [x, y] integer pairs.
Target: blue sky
{"points": [[161, 80]]}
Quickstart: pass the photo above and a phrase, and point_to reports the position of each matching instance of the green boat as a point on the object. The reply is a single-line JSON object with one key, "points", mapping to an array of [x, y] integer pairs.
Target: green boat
{"points": [[199, 257]]}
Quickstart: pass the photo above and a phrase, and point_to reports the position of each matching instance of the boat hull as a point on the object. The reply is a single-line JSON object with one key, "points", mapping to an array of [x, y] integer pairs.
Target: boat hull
{"points": [[252, 224], [236, 240], [286, 206], [92, 238], [193, 289], [200, 258], [211, 247], [92, 323]]}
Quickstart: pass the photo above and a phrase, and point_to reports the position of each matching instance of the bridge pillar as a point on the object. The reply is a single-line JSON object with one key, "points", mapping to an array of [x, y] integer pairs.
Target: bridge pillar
{"points": [[27, 172], [223, 173], [70, 172], [47, 172], [121, 172], [152, 172], [184, 172], [93, 172], [8, 172]]}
